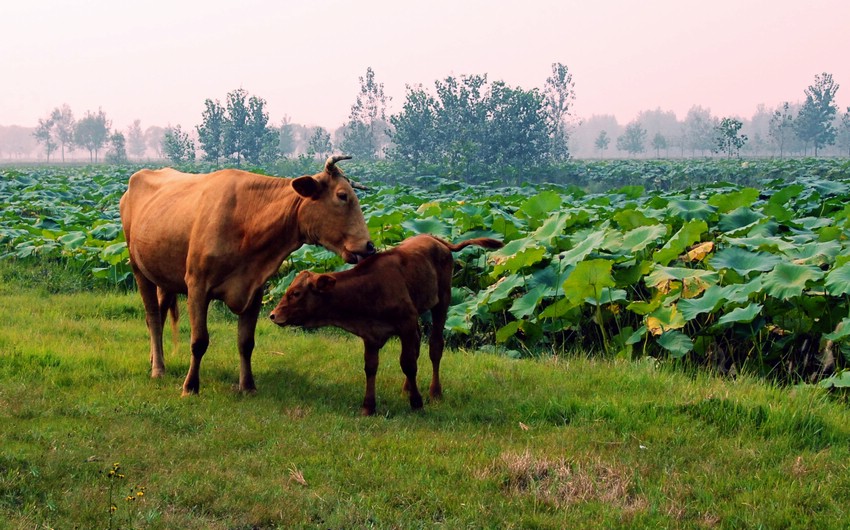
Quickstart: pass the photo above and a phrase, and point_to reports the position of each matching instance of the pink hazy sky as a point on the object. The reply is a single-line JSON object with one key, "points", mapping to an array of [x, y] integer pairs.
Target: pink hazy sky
{"points": [[158, 60]]}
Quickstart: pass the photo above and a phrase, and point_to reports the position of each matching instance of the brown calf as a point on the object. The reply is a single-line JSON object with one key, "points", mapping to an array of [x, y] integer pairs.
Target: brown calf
{"points": [[381, 297]]}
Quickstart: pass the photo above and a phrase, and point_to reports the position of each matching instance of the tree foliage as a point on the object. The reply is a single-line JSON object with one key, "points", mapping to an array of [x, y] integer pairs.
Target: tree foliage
{"points": [[602, 141], [633, 140], [211, 131], [558, 96], [177, 146], [781, 127], [727, 137], [237, 130], [62, 129], [319, 145], [365, 134], [473, 128], [92, 132], [43, 135], [136, 145], [814, 122], [117, 153]]}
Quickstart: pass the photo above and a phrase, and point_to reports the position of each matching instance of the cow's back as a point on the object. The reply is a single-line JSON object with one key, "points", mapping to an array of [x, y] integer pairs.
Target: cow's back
{"points": [[158, 212]]}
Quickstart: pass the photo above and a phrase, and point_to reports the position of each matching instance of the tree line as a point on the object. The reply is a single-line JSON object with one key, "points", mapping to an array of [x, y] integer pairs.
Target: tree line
{"points": [[804, 128], [464, 126]]}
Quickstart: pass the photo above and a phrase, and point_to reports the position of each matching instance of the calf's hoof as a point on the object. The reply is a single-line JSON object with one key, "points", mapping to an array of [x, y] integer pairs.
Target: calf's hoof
{"points": [[416, 402]]}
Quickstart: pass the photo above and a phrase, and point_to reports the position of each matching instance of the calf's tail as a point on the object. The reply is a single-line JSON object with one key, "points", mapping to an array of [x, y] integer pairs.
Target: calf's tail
{"points": [[485, 242]]}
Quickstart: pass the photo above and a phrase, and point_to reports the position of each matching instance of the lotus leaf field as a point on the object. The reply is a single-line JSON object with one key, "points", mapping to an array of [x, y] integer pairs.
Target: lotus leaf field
{"points": [[750, 273]]}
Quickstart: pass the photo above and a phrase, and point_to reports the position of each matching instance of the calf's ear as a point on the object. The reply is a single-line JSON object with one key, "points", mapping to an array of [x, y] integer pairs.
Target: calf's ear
{"points": [[325, 282], [307, 187]]}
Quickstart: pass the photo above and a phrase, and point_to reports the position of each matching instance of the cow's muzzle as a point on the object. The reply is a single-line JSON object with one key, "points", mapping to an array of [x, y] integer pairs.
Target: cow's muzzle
{"points": [[356, 257]]}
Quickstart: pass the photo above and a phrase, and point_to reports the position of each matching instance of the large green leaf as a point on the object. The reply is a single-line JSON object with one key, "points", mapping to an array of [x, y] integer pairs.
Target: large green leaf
{"points": [[676, 342], [726, 202], [838, 280], [710, 301], [428, 226], [690, 209], [661, 274], [689, 234], [788, 280], [739, 219], [525, 305], [641, 237], [630, 219], [744, 261], [741, 314], [587, 280], [540, 206], [587, 243], [73, 240]]}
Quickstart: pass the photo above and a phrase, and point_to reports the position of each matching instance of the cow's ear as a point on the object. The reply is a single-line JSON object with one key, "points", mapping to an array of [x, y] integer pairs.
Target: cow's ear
{"points": [[307, 187], [325, 282]]}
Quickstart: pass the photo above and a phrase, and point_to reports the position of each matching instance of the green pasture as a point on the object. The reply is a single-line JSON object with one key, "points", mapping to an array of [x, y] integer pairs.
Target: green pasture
{"points": [[558, 442]]}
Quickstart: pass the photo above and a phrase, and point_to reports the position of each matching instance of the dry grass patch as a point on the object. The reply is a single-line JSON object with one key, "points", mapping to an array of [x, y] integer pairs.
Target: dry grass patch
{"points": [[563, 483]]}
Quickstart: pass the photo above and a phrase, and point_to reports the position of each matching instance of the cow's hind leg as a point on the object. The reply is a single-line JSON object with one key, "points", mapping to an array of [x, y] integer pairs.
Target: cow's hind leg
{"points": [[410, 338], [247, 328], [153, 318], [198, 307]]}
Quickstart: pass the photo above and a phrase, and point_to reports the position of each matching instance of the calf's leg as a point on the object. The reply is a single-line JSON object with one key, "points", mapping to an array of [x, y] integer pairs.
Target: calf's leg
{"points": [[436, 344], [370, 363], [410, 338]]}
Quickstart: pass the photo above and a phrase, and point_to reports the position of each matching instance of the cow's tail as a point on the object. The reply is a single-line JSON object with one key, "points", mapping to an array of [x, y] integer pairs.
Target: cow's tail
{"points": [[168, 306], [175, 316], [485, 242]]}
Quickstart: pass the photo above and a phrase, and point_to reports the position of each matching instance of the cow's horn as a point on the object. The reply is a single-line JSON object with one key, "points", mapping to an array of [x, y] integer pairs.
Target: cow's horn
{"points": [[332, 160], [358, 186]]}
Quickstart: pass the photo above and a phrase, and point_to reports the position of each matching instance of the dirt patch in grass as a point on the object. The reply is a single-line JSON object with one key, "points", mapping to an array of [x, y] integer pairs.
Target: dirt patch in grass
{"points": [[563, 483]]}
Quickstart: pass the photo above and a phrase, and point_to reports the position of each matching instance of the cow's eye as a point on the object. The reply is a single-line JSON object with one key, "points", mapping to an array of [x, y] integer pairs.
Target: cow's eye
{"points": [[295, 294], [341, 195]]}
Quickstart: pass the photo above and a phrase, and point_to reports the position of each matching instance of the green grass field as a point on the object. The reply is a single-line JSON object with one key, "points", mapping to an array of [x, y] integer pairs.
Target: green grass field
{"points": [[551, 443]]}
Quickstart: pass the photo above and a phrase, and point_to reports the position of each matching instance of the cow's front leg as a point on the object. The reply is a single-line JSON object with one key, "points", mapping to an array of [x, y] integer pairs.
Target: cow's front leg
{"points": [[409, 358], [370, 366], [247, 328], [198, 306], [153, 319]]}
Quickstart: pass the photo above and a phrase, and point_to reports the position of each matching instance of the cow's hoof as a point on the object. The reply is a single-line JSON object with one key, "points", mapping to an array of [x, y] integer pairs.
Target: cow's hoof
{"points": [[366, 411], [247, 391], [189, 392], [416, 402], [157, 374]]}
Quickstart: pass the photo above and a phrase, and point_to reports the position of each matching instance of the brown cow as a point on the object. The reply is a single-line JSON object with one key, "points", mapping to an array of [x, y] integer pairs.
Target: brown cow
{"points": [[221, 236], [382, 297]]}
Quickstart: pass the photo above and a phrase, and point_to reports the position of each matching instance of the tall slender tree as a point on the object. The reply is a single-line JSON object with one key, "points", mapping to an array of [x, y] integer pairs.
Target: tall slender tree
{"points": [[781, 127], [558, 96], [633, 140], [63, 128], [43, 135], [211, 131], [365, 134], [136, 145], [814, 122]]}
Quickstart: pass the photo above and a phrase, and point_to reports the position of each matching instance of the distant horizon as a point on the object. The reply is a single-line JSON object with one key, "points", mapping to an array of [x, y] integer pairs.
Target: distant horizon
{"points": [[159, 61]]}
